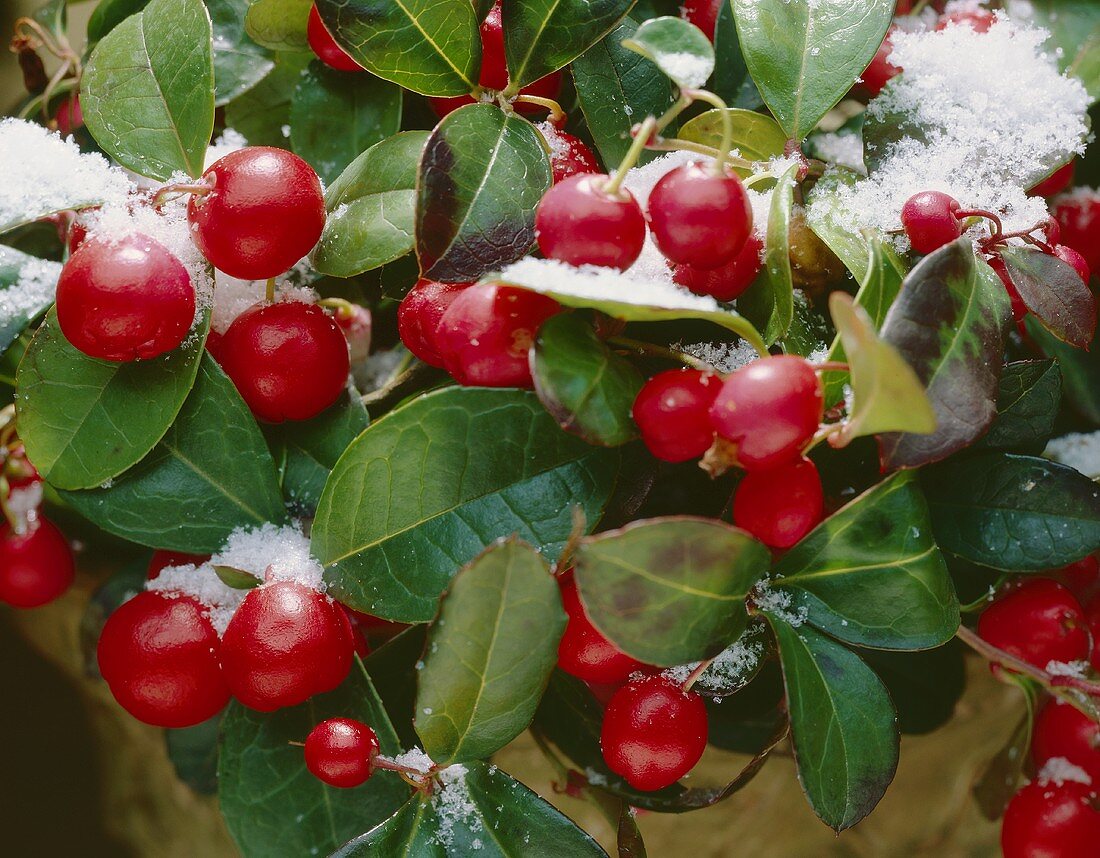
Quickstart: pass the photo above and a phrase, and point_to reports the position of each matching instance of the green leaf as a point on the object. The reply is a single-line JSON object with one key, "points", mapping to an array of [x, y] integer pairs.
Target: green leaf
{"points": [[335, 117], [668, 591], [372, 208], [1054, 293], [148, 90], [1068, 22], [1080, 370], [482, 812], [54, 16], [193, 752], [842, 723], [1016, 513], [237, 579], [925, 686], [804, 56], [732, 81], [272, 805], [489, 654], [948, 323], [769, 301], [833, 225], [808, 330], [582, 383], [429, 46], [1028, 398], [871, 574], [108, 14], [211, 473], [677, 48], [263, 113], [25, 304], [239, 63], [1086, 65], [85, 421], [431, 484], [755, 136], [482, 175], [617, 88], [279, 24], [542, 36]]}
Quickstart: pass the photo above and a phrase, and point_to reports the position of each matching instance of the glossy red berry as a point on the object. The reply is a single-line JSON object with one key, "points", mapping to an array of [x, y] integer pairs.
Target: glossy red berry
{"points": [[569, 156], [35, 567], [1079, 217], [584, 652], [160, 656], [341, 752], [325, 47], [728, 281], [653, 732], [579, 223], [419, 314], [1038, 622], [289, 360], [781, 505], [1074, 260], [1092, 618], [1056, 182], [487, 332], [769, 410], [930, 221], [703, 14], [1019, 308], [698, 217], [161, 560], [265, 213], [1082, 577], [672, 412], [69, 116], [285, 643], [979, 20], [880, 71], [124, 299], [1062, 730], [1045, 820]]}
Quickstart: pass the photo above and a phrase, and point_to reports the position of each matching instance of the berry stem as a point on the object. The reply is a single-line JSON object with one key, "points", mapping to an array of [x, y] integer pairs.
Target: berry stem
{"points": [[198, 189], [557, 115], [270, 293], [998, 656], [727, 126], [832, 366], [340, 306], [997, 228], [655, 350], [646, 130], [695, 674]]}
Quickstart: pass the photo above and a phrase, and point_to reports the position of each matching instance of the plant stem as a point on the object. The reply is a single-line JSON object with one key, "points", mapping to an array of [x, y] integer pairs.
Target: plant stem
{"points": [[557, 115], [727, 126], [695, 674], [646, 130], [270, 290], [1007, 660], [660, 351]]}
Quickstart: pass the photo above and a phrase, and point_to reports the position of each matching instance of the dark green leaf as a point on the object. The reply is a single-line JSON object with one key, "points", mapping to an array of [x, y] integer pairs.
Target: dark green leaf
{"points": [[769, 301], [279, 24], [372, 208], [586, 386], [336, 116], [677, 48], [949, 323], [1015, 513], [925, 686], [429, 46], [147, 93], [108, 14], [808, 332], [211, 473], [272, 805], [427, 487], [239, 63], [1080, 370], [84, 420], [392, 669], [1028, 397], [756, 137], [670, 591], [262, 115], [482, 174], [732, 81], [194, 754], [1054, 293], [842, 723], [20, 301], [489, 654]]}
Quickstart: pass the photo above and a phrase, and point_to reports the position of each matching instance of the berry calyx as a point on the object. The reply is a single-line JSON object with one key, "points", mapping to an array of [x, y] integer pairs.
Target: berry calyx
{"points": [[979, 20], [569, 156], [35, 567], [653, 732], [781, 505], [584, 652], [1074, 260], [769, 410], [124, 299], [1039, 622], [289, 361], [161, 560], [728, 281], [1078, 214], [486, 333], [930, 220], [579, 223], [159, 654], [341, 751], [1051, 820], [324, 45], [264, 213], [672, 411], [880, 71], [418, 317], [285, 643], [1062, 730], [1056, 182]]}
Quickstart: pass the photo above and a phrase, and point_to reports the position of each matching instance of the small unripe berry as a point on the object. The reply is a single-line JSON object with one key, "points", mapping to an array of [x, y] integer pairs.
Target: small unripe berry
{"points": [[341, 752], [930, 221], [781, 505], [672, 412], [579, 223], [35, 567], [584, 652], [1038, 622]]}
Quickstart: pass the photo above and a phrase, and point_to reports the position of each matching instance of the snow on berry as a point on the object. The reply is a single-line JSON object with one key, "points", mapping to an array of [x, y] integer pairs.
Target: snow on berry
{"points": [[203, 584], [1059, 770], [1078, 450], [233, 296]]}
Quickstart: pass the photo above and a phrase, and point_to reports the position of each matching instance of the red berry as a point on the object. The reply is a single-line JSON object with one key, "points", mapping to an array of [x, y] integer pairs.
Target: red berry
{"points": [[77, 233], [781, 505], [1039, 622], [1053, 230], [340, 752], [1079, 217], [419, 314], [124, 299], [769, 410], [568, 154], [325, 47], [979, 20], [161, 560], [487, 332], [1082, 577], [1092, 618], [727, 281], [703, 14], [289, 360], [1056, 182], [285, 643], [880, 71], [1073, 259], [1064, 731], [69, 116], [578, 223], [653, 732], [584, 652], [699, 218], [1051, 821], [672, 412], [265, 213], [160, 656], [35, 567], [930, 222], [358, 632], [1019, 308]]}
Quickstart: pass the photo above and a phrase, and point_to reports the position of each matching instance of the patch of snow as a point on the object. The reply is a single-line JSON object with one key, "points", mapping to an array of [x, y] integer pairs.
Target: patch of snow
{"points": [[778, 602], [273, 553], [1078, 450], [416, 759], [202, 584], [721, 357], [730, 668], [233, 296], [844, 148], [32, 291], [1059, 770], [453, 805], [689, 70], [1067, 668]]}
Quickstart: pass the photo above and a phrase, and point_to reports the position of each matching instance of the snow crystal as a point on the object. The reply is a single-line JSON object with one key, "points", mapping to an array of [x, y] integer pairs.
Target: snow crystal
{"points": [[32, 291], [23, 504], [1067, 668], [416, 759], [230, 141], [730, 667], [1077, 450], [379, 369], [453, 805], [202, 584], [844, 148], [778, 602], [689, 70], [272, 552], [1059, 770], [233, 296], [721, 357]]}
